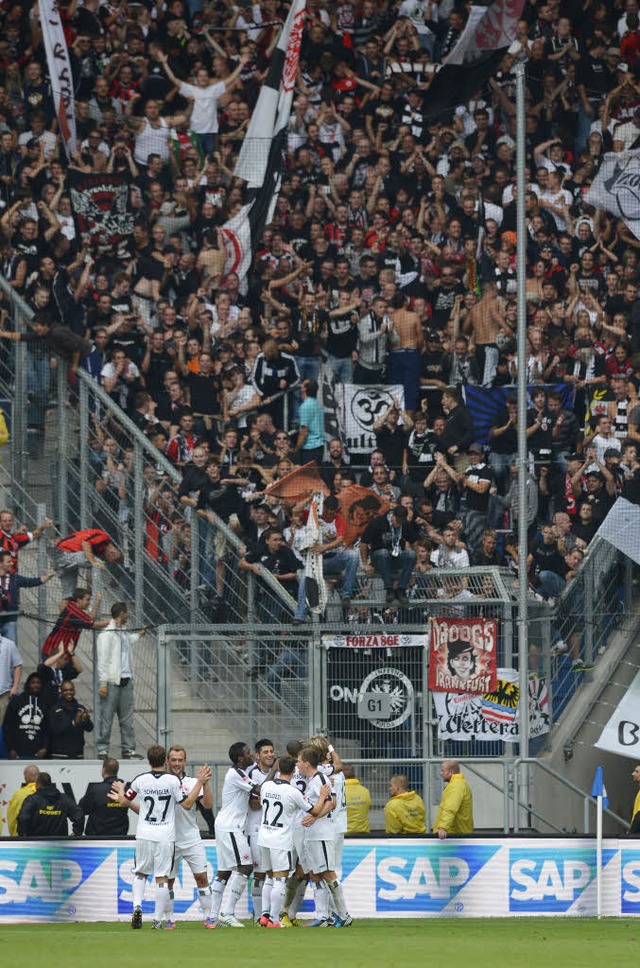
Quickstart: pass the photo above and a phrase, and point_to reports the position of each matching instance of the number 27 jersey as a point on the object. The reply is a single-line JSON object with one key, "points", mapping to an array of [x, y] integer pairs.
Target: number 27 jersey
{"points": [[157, 793]]}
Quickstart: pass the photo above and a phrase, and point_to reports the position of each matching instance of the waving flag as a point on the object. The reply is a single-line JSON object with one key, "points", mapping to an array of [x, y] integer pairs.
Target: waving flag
{"points": [[57, 52], [261, 160], [615, 188], [489, 31]]}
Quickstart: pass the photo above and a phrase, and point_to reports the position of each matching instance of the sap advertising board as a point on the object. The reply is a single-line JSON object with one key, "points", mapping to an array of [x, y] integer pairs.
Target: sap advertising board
{"points": [[91, 881]]}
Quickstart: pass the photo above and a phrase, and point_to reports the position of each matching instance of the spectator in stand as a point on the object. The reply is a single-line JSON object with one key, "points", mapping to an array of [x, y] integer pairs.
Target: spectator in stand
{"points": [[25, 727], [91, 548], [12, 541], [375, 331], [114, 667], [310, 442], [69, 722], [337, 559], [459, 431], [73, 618], [10, 584], [385, 549]]}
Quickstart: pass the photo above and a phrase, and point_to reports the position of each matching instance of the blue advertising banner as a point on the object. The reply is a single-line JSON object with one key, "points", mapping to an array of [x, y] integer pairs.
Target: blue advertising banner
{"points": [[80, 880]]}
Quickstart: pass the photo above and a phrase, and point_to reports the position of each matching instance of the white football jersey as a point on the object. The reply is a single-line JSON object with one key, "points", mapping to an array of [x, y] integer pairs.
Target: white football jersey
{"points": [[236, 791], [254, 817], [158, 793], [299, 781], [187, 830], [324, 828], [282, 805], [340, 810]]}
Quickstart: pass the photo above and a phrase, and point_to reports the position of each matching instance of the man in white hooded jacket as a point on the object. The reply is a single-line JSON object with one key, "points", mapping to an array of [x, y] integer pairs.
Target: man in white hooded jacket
{"points": [[115, 682]]}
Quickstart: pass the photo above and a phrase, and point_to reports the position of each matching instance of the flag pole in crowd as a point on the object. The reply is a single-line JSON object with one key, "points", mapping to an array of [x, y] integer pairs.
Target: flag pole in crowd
{"points": [[599, 791], [55, 45], [261, 160], [521, 265]]}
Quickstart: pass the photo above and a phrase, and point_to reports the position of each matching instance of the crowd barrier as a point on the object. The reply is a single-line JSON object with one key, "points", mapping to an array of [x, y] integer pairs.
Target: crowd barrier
{"points": [[55, 881]]}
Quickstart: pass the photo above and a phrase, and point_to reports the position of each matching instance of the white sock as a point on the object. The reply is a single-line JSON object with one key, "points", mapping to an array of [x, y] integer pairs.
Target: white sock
{"points": [[290, 892], [233, 892], [276, 899], [338, 899], [256, 897], [205, 900], [321, 900], [298, 898], [169, 908], [138, 889], [162, 901], [217, 890], [266, 895]]}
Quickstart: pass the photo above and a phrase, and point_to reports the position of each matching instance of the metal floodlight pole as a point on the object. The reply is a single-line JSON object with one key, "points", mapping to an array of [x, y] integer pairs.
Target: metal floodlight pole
{"points": [[522, 463]]}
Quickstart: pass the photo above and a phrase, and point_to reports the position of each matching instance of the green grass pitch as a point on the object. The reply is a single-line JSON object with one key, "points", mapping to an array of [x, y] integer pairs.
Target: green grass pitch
{"points": [[412, 943]]}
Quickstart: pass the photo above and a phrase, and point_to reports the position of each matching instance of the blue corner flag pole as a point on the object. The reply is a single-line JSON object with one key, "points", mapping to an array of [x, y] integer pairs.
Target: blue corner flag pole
{"points": [[598, 790]]}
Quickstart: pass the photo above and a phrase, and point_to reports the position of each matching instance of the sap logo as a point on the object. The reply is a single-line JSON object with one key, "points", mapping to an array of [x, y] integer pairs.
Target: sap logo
{"points": [[439, 881], [46, 881], [630, 883], [538, 884]]}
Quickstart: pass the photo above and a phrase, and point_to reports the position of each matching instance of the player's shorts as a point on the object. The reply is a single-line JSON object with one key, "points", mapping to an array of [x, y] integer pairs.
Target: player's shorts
{"points": [[232, 850], [256, 853], [321, 855], [276, 859], [194, 856], [300, 850], [154, 857]]}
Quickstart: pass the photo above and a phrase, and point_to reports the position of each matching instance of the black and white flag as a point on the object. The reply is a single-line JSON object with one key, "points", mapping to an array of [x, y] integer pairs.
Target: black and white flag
{"points": [[101, 209], [488, 33], [616, 188], [261, 160]]}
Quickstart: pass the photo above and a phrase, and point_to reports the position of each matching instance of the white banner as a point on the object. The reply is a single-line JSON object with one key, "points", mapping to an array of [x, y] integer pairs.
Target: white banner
{"points": [[384, 640], [616, 188], [77, 880], [622, 733], [55, 45], [492, 716], [621, 528], [359, 407]]}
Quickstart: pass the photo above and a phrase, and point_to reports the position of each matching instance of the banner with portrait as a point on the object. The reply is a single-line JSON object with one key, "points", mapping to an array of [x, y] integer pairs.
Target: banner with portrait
{"points": [[463, 655], [359, 407], [358, 506]]}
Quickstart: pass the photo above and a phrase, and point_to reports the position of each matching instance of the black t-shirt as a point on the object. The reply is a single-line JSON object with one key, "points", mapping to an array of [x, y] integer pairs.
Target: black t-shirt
{"points": [[342, 335], [282, 563], [377, 534], [547, 557], [392, 445]]}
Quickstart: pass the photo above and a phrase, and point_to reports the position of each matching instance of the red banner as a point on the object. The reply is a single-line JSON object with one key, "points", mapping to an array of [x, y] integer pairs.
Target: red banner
{"points": [[358, 506], [463, 655]]}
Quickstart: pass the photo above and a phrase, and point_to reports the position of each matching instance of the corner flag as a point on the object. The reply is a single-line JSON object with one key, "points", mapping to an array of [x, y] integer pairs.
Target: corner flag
{"points": [[598, 789]]}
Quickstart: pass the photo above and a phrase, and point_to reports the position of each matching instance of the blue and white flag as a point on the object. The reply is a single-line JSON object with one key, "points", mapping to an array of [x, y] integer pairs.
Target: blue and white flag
{"points": [[261, 160], [598, 789]]}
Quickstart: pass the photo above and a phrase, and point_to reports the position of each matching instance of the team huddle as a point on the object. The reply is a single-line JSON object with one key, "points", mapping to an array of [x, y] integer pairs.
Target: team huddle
{"points": [[282, 823]]}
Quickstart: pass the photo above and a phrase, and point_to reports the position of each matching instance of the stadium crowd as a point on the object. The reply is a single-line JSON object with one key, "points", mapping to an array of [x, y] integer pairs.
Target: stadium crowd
{"points": [[390, 260]]}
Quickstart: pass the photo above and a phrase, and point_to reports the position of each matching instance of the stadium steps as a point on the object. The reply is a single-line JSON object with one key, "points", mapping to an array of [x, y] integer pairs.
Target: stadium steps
{"points": [[572, 752]]}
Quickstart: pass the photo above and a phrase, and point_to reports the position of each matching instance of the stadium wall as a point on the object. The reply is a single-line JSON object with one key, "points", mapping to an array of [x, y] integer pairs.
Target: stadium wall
{"points": [[55, 881]]}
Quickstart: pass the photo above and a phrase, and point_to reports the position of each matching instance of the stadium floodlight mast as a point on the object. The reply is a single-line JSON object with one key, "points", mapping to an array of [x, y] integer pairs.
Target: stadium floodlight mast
{"points": [[522, 460]]}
